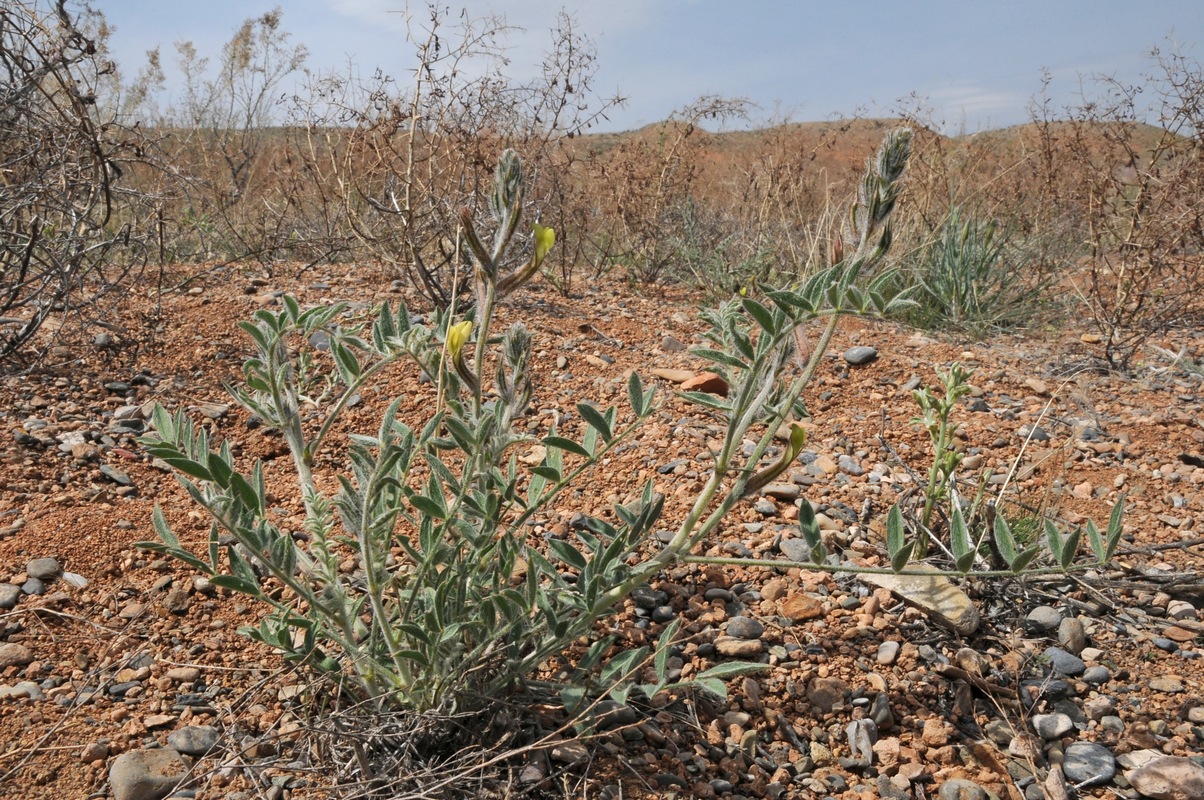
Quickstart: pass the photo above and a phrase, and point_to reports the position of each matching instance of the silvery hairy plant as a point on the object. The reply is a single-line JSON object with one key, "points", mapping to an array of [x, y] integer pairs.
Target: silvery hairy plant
{"points": [[449, 603]]}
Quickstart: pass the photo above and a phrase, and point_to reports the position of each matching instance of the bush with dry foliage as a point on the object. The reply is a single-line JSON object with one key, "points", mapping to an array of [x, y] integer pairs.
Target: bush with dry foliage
{"points": [[1130, 161], [58, 172]]}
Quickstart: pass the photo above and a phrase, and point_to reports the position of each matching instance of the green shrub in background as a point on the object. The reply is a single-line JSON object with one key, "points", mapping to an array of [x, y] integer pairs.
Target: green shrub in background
{"points": [[972, 276]]}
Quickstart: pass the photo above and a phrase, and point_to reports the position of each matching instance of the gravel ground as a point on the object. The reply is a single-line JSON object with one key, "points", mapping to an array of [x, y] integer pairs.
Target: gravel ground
{"points": [[119, 668]]}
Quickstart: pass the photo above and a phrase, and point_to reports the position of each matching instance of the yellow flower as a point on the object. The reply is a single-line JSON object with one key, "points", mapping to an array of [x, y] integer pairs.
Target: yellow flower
{"points": [[457, 337], [544, 239]]}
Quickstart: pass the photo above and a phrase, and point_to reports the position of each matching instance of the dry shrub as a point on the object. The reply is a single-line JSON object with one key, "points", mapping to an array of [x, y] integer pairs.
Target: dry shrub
{"points": [[1131, 161], [59, 230]]}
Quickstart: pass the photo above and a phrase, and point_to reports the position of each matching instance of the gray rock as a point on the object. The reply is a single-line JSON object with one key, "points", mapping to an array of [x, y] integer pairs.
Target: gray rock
{"points": [[23, 689], [1072, 636], [671, 344], [1098, 707], [14, 655], [117, 476], [43, 569], [887, 652], [194, 740], [880, 712], [860, 354], [935, 595], [782, 491], [148, 774], [1044, 618], [849, 466], [1063, 662], [999, 732], [765, 508], [745, 628], [959, 789], [1097, 675], [1088, 763], [33, 586], [9, 595], [1052, 726], [888, 791], [795, 550], [1171, 684], [1169, 778], [1033, 433], [862, 733]]}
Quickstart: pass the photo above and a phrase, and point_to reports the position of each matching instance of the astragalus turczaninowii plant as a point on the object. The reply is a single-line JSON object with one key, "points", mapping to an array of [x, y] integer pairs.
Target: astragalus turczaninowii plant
{"points": [[451, 604]]}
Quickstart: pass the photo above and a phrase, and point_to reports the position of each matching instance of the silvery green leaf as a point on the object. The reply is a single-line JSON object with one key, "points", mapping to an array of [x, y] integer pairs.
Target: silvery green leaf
{"points": [[596, 420]]}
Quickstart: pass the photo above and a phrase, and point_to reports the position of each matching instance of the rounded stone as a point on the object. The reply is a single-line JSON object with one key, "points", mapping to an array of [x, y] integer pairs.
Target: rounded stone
{"points": [[1045, 618], [1088, 763], [1097, 675], [745, 628], [888, 652], [14, 655], [146, 774], [44, 568], [860, 354], [9, 595], [1063, 662], [1071, 635], [194, 740], [1052, 726], [959, 789]]}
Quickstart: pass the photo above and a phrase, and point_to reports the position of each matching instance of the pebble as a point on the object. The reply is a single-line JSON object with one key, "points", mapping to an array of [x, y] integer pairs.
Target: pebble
{"points": [[961, 789], [732, 647], [1063, 662], [94, 751], [1088, 763], [146, 774], [861, 354], [1181, 609], [120, 477], [745, 628], [849, 466], [1097, 675], [9, 595], [880, 712], [1034, 433], [765, 507], [14, 655], [43, 569], [887, 652], [193, 740], [671, 344], [1098, 707], [24, 689], [182, 674], [1170, 684], [1044, 619], [1052, 726], [1072, 636]]}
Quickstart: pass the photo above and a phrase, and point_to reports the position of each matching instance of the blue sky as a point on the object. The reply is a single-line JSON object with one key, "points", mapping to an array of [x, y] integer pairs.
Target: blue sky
{"points": [[976, 64]]}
